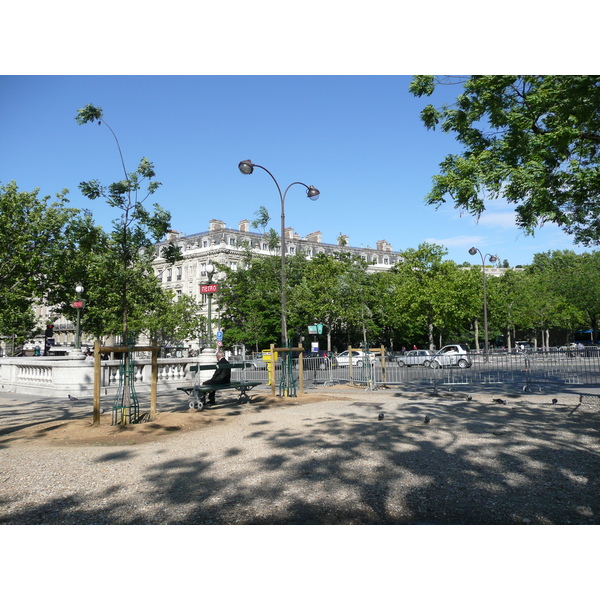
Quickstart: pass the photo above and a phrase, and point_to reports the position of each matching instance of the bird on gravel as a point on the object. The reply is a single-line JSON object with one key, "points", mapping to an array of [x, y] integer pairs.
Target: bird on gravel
{"points": [[380, 417], [427, 419], [554, 400], [73, 399], [500, 400]]}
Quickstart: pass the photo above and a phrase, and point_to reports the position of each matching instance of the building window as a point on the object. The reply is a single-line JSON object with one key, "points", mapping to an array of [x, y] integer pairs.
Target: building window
{"points": [[179, 273]]}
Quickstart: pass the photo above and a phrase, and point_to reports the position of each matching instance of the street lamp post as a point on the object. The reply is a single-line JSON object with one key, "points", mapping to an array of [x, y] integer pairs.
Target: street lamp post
{"points": [[79, 305], [247, 167], [210, 270], [492, 258]]}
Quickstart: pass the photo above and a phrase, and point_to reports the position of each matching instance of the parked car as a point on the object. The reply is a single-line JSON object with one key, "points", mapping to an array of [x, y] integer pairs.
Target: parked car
{"points": [[453, 355], [250, 363], [358, 358], [415, 358]]}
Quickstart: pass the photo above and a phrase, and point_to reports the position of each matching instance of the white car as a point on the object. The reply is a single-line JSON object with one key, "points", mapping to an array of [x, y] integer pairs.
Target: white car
{"points": [[451, 356], [415, 358], [358, 358]]}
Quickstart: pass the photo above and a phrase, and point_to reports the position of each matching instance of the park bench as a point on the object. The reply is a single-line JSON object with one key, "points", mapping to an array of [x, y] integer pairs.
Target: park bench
{"points": [[198, 391]]}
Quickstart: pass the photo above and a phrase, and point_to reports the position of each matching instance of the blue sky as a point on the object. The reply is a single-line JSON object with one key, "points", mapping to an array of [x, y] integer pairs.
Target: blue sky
{"points": [[358, 139]]}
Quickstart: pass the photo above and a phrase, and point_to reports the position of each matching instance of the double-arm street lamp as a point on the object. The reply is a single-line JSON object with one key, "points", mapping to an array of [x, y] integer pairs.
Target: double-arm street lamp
{"points": [[492, 258], [247, 167]]}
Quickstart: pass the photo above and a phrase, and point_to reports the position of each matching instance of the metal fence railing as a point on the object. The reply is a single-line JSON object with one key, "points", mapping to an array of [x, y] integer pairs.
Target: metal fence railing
{"points": [[525, 371], [317, 371], [529, 371]]}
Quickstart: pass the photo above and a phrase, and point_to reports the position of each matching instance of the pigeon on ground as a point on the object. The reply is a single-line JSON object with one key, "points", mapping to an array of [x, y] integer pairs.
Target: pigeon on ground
{"points": [[554, 400], [380, 417], [500, 400], [73, 399], [427, 419]]}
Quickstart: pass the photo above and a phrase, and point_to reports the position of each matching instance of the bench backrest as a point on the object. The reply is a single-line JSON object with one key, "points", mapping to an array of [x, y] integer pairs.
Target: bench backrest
{"points": [[196, 368]]}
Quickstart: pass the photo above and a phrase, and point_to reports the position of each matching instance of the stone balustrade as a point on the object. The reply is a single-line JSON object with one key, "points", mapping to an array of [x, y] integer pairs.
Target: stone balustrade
{"points": [[60, 376]]}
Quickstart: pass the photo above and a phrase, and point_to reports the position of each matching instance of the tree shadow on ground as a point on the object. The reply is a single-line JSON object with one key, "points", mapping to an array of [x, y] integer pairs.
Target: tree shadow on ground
{"points": [[473, 463]]}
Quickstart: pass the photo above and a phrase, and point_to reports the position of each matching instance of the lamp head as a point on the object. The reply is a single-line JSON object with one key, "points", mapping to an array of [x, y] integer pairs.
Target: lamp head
{"points": [[312, 192], [79, 288], [473, 251], [210, 268], [246, 167], [493, 258]]}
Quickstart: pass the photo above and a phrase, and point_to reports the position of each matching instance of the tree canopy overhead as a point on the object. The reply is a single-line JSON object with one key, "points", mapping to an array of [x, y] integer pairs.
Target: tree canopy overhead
{"points": [[533, 140]]}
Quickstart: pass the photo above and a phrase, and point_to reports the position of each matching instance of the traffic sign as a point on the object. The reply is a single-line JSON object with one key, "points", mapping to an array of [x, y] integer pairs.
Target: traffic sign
{"points": [[315, 329], [219, 336]]}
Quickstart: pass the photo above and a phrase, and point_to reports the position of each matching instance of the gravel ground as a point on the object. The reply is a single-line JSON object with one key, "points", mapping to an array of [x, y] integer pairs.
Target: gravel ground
{"points": [[324, 458]]}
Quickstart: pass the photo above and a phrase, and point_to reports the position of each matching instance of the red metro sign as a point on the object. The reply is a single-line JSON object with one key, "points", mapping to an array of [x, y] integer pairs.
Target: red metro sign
{"points": [[209, 289]]}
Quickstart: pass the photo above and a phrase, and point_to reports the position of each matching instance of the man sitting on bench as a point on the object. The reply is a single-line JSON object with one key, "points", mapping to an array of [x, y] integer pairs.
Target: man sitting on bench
{"points": [[219, 376]]}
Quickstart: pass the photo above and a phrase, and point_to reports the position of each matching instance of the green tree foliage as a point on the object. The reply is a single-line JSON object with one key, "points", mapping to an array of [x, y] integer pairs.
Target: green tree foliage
{"points": [[250, 302], [424, 300], [429, 297], [575, 279], [125, 261], [171, 322], [504, 301], [335, 291], [532, 140], [262, 220], [36, 237]]}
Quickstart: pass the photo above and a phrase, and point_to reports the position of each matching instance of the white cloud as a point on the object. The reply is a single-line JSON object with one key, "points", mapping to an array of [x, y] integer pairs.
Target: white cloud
{"points": [[504, 220]]}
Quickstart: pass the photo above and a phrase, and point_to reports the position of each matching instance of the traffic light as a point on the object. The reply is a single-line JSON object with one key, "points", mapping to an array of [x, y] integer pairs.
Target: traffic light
{"points": [[49, 331]]}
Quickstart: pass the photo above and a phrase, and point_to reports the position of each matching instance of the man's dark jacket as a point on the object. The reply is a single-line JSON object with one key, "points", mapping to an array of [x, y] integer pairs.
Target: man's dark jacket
{"points": [[220, 375]]}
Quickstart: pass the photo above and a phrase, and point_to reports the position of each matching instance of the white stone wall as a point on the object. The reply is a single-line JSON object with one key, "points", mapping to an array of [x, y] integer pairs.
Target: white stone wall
{"points": [[60, 377]]}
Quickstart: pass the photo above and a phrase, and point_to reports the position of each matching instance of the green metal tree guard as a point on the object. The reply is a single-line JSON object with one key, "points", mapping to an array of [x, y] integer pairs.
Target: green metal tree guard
{"points": [[126, 408], [368, 370], [287, 382]]}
